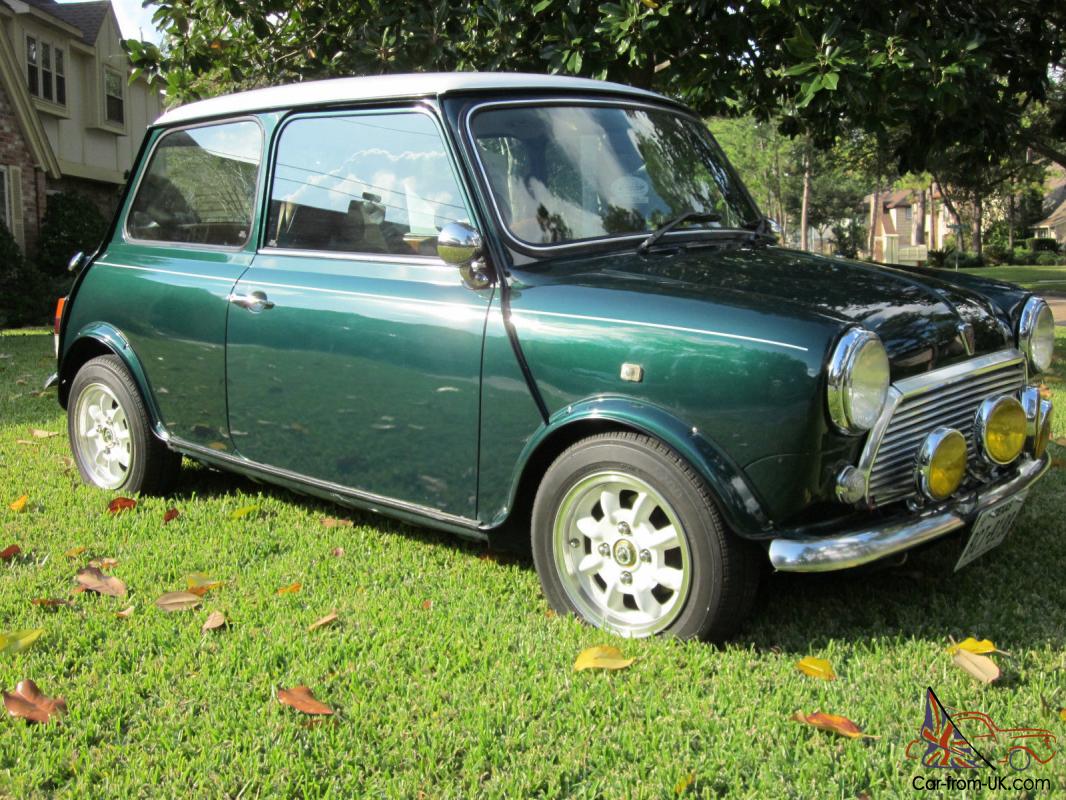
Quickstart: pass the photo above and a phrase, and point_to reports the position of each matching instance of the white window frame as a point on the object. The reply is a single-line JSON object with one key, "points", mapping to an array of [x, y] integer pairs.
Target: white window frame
{"points": [[122, 97], [38, 63]]}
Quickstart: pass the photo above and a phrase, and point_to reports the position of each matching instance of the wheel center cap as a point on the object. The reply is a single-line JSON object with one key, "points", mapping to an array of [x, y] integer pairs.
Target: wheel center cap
{"points": [[625, 554]]}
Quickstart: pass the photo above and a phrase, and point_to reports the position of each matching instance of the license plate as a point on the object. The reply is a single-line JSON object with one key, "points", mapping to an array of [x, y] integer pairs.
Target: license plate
{"points": [[990, 529]]}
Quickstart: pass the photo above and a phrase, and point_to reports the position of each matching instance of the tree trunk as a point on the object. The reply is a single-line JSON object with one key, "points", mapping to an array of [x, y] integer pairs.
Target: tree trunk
{"points": [[871, 236], [919, 231], [975, 227], [1010, 220], [804, 242]]}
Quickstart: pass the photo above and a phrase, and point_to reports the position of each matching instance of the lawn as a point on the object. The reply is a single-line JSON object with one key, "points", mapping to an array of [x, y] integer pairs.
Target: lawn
{"points": [[1038, 279], [449, 677]]}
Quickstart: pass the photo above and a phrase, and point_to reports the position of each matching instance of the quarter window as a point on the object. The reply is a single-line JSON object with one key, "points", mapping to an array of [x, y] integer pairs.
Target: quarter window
{"points": [[363, 183], [113, 102], [199, 187]]}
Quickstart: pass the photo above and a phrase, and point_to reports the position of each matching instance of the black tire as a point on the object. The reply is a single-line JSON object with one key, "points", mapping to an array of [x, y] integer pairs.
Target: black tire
{"points": [[152, 467], [724, 569]]}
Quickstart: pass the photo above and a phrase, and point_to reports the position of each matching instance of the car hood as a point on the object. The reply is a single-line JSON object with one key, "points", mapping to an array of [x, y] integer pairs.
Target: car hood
{"points": [[925, 319]]}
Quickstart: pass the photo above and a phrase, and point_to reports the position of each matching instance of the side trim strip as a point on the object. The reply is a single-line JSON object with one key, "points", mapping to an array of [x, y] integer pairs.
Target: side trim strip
{"points": [[660, 326]]}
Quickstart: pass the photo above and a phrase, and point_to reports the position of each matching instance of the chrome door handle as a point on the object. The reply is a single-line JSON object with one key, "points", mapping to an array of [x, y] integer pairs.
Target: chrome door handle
{"points": [[253, 301]]}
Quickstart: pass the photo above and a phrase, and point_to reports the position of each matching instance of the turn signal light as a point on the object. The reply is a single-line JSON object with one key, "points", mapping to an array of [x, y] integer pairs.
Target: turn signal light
{"points": [[60, 304]]}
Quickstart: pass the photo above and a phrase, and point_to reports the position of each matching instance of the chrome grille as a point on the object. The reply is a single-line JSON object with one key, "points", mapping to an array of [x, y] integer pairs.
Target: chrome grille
{"points": [[948, 397]]}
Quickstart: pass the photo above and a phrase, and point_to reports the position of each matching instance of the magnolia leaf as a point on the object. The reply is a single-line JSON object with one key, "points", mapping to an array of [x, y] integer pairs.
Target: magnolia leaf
{"points": [[28, 703], [244, 511], [10, 552], [602, 656], [337, 551], [24, 441], [50, 602], [18, 506], [74, 552], [93, 580], [981, 667], [104, 563], [329, 619], [973, 646], [215, 620], [816, 668], [427, 605], [37, 433], [684, 782], [200, 584], [833, 723], [333, 522], [17, 641], [171, 515], [120, 504], [124, 613], [290, 589], [178, 601], [301, 698]]}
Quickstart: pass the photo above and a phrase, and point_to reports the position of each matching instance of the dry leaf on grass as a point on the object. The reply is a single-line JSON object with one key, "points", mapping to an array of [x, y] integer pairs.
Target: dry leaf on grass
{"points": [[301, 698], [602, 656], [972, 645], [215, 620], [292, 588], [93, 580], [18, 506], [124, 613], [104, 563], [200, 584], [120, 504], [244, 511], [816, 668], [980, 667], [178, 601], [337, 551], [684, 782], [28, 703], [329, 619], [427, 605], [37, 433], [17, 641], [74, 552], [334, 522], [10, 552], [833, 723], [171, 515], [50, 602]]}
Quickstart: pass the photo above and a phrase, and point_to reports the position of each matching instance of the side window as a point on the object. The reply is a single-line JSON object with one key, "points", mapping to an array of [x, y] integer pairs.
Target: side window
{"points": [[199, 187], [362, 183]]}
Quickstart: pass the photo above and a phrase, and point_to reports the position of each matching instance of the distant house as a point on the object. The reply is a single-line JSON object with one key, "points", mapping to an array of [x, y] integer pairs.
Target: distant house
{"points": [[895, 225], [1053, 226], [69, 118]]}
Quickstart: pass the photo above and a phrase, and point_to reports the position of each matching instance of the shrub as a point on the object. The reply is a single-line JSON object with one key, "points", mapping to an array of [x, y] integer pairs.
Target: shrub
{"points": [[1048, 259], [1042, 245], [27, 296], [938, 258], [994, 255], [1022, 255], [71, 223]]}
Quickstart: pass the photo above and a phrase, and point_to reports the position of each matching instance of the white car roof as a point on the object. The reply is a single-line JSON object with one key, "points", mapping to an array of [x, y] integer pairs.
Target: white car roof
{"points": [[384, 87]]}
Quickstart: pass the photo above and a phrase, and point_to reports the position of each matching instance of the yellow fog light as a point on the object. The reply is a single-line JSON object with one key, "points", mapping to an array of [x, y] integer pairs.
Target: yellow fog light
{"points": [[1000, 429], [941, 463], [1043, 433]]}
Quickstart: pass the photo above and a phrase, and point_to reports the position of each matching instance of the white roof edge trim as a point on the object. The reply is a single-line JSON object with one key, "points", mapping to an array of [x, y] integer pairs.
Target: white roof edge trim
{"points": [[385, 87]]}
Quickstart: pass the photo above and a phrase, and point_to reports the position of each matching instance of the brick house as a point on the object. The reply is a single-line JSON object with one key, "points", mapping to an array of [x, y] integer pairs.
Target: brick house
{"points": [[69, 118]]}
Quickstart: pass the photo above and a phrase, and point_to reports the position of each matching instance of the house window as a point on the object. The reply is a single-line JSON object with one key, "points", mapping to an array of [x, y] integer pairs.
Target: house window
{"points": [[114, 105], [908, 213], [33, 80], [45, 71]]}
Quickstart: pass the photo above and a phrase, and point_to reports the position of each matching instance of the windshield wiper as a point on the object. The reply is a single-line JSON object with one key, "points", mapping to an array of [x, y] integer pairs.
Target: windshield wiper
{"points": [[670, 224]]}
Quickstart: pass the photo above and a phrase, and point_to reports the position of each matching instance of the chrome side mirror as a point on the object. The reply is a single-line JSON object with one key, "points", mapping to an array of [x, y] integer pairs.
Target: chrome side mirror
{"points": [[76, 262], [460, 245]]}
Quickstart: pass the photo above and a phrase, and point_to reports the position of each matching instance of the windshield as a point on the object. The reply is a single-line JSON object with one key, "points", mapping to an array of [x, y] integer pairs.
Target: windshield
{"points": [[571, 173]]}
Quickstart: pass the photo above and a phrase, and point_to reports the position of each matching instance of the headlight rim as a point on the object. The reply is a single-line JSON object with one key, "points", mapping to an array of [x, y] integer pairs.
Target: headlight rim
{"points": [[839, 378], [924, 461], [985, 412], [1027, 325]]}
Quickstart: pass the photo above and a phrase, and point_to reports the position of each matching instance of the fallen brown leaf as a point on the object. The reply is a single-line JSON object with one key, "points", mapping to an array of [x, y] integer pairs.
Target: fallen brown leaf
{"points": [[337, 551], [215, 620], [50, 602], [200, 584], [329, 619], [301, 698], [24, 441], [93, 580], [18, 506], [28, 703], [603, 656], [980, 667], [37, 433], [178, 601], [124, 613], [120, 504], [74, 552], [10, 552], [334, 522], [104, 563], [290, 589], [427, 605], [833, 723], [171, 515]]}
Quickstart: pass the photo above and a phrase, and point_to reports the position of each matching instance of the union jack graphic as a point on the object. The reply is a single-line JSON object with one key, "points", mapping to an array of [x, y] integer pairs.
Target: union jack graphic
{"points": [[945, 746]]}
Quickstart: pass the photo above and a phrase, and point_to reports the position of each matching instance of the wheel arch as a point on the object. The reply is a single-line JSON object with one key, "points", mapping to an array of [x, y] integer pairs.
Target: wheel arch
{"points": [[737, 502]]}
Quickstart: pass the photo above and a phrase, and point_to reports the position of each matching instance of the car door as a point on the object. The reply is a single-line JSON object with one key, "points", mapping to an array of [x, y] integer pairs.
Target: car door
{"points": [[353, 352], [165, 278]]}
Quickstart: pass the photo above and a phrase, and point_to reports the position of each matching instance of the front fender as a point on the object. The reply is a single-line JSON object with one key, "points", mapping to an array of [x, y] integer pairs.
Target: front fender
{"points": [[90, 341], [743, 511]]}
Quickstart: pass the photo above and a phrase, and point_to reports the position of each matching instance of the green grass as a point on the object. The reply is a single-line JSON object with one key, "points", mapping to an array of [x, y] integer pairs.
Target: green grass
{"points": [[1037, 279], [473, 696]]}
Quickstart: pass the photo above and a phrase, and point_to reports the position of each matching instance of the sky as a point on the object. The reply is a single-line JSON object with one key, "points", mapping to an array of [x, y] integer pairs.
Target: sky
{"points": [[136, 22]]}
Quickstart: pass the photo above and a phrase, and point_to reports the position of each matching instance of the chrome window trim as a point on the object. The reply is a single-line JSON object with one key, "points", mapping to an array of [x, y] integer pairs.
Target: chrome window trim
{"points": [[920, 384], [622, 102], [425, 262], [214, 248]]}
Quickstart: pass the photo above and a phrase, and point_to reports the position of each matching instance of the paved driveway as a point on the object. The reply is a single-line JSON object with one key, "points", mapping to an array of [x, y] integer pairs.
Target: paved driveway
{"points": [[1058, 307]]}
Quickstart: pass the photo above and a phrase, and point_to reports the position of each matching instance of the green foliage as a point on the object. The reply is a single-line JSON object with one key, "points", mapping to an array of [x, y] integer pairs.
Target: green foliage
{"points": [[939, 258], [27, 296], [71, 223], [1047, 258], [1042, 245], [995, 255]]}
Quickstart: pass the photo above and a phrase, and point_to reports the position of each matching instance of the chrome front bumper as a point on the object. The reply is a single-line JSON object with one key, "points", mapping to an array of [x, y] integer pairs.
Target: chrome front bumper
{"points": [[844, 550]]}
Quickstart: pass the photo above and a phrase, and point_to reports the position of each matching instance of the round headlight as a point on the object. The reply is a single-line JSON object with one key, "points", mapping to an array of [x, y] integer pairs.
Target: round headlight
{"points": [[941, 464], [1036, 333], [858, 381], [1001, 429]]}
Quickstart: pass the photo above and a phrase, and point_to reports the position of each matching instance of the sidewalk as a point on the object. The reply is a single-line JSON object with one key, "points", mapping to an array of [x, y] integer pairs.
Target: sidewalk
{"points": [[1058, 307]]}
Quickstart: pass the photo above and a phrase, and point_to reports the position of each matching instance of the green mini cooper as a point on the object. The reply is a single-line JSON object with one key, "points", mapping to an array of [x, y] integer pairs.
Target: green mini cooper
{"points": [[500, 304]]}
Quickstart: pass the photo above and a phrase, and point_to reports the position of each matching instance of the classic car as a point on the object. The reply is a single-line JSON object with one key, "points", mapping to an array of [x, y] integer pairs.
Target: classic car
{"points": [[520, 305]]}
